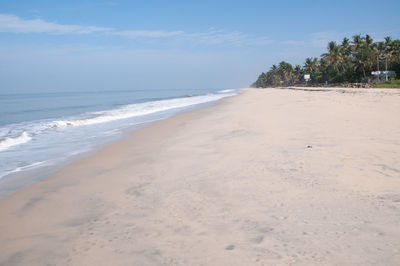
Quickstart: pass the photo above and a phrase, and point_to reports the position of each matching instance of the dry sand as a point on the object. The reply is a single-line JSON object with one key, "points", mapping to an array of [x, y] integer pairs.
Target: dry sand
{"points": [[270, 177]]}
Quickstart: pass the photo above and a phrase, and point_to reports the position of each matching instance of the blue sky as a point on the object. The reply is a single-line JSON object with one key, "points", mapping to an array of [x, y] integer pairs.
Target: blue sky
{"points": [[105, 45]]}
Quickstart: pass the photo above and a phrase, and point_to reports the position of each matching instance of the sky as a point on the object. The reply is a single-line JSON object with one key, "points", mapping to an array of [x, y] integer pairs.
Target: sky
{"points": [[105, 45]]}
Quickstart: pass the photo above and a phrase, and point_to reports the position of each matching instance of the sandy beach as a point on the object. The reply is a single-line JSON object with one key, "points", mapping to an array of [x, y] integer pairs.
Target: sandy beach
{"points": [[268, 177]]}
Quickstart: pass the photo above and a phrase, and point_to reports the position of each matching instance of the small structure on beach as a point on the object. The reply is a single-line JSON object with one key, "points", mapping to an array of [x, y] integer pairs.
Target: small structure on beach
{"points": [[307, 77], [381, 75]]}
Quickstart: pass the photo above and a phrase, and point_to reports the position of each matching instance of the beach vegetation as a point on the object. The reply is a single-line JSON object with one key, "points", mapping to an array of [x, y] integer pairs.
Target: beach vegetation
{"points": [[392, 83], [350, 61]]}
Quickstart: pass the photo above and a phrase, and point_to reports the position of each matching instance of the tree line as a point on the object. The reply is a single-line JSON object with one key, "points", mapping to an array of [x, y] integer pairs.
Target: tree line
{"points": [[351, 61]]}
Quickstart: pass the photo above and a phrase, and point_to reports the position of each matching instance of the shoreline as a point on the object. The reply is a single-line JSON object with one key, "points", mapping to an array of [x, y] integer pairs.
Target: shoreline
{"points": [[12, 182], [269, 176]]}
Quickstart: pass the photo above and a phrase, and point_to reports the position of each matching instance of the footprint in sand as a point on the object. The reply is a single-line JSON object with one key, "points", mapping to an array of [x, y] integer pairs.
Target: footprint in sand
{"points": [[230, 247]]}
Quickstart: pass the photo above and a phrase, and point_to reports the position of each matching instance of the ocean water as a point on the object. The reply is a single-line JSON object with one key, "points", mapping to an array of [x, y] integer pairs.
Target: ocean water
{"points": [[44, 129]]}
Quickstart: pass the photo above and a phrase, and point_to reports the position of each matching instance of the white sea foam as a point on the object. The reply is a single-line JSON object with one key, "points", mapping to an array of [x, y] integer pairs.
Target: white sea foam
{"points": [[24, 168], [226, 91], [9, 142], [16, 134], [134, 110], [50, 141]]}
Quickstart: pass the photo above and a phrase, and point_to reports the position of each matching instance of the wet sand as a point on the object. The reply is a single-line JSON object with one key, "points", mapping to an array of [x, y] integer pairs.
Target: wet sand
{"points": [[269, 177]]}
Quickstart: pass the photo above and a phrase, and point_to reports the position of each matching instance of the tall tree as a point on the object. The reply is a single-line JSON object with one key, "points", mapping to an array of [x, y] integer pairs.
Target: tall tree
{"points": [[350, 61], [360, 55], [334, 56], [286, 73], [311, 65]]}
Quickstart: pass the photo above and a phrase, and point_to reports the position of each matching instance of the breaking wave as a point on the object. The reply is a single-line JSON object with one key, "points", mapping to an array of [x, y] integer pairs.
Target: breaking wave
{"points": [[134, 110], [11, 135], [9, 142]]}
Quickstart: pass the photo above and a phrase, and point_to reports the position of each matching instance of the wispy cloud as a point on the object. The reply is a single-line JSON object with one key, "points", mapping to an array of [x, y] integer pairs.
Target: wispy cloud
{"points": [[14, 24], [294, 43], [317, 40], [219, 37], [134, 34], [211, 37], [321, 39]]}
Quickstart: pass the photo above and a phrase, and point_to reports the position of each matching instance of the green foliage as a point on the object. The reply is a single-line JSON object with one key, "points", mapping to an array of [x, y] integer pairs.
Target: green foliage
{"points": [[351, 61], [392, 83]]}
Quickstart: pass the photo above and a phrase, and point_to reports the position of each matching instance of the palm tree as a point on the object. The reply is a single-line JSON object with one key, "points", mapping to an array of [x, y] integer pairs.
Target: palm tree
{"points": [[334, 56], [346, 48], [395, 49], [261, 81], [358, 42], [308, 65], [286, 72], [274, 69], [347, 59], [389, 48], [392, 52], [311, 65], [272, 77], [372, 53], [368, 40], [346, 51], [380, 50], [350, 61], [298, 72], [388, 43], [360, 54]]}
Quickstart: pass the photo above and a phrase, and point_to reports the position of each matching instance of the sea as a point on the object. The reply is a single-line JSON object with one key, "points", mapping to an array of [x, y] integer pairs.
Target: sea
{"points": [[44, 129]]}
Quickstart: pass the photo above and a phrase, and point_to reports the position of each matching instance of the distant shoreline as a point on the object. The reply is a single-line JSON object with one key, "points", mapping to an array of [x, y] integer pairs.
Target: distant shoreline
{"points": [[321, 86]]}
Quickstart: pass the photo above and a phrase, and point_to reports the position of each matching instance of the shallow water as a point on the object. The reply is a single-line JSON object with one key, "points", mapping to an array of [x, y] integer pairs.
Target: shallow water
{"points": [[43, 129]]}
